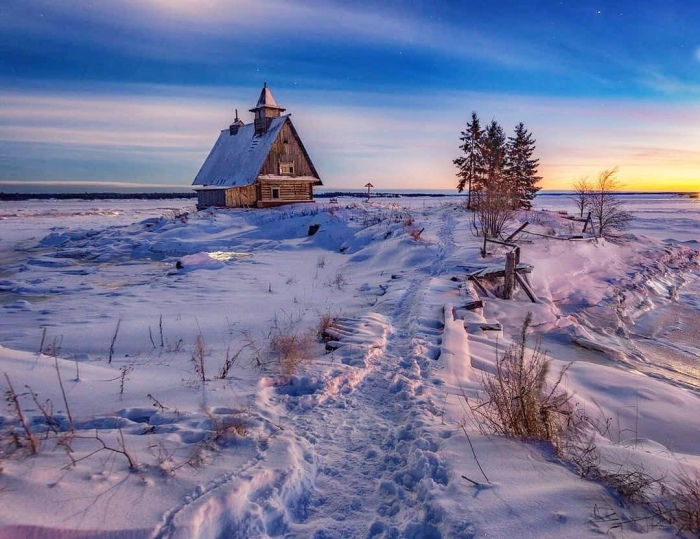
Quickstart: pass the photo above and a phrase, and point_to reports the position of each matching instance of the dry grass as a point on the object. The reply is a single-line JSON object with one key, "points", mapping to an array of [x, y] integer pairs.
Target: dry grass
{"points": [[291, 350], [338, 281], [199, 352], [230, 360], [519, 402], [324, 323], [226, 428], [12, 399], [415, 233], [681, 505]]}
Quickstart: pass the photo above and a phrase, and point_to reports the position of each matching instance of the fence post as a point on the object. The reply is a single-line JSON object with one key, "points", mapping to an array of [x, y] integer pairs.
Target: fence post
{"points": [[510, 276]]}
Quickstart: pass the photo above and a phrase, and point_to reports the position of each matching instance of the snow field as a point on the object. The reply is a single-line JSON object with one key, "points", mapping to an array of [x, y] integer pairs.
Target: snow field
{"points": [[367, 437]]}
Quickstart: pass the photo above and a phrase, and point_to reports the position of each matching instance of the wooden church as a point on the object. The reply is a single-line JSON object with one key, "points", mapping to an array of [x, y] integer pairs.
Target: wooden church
{"points": [[257, 165]]}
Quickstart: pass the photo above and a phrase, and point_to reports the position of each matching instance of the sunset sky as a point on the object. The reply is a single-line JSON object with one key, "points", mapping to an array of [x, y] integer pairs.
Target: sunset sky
{"points": [[136, 91]]}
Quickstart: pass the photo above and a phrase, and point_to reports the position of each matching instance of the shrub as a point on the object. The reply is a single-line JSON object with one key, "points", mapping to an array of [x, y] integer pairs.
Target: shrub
{"points": [[290, 350], [520, 403], [493, 210]]}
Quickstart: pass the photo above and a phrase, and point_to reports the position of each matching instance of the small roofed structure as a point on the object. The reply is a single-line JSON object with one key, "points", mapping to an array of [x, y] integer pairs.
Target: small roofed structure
{"points": [[260, 164]]}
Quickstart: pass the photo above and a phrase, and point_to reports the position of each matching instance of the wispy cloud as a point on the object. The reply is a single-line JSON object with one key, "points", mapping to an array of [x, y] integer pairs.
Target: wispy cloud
{"points": [[144, 134], [670, 85]]}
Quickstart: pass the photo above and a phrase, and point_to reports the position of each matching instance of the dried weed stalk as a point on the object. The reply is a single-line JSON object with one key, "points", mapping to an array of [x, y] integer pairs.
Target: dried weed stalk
{"points": [[291, 350], [199, 352], [13, 400], [519, 402]]}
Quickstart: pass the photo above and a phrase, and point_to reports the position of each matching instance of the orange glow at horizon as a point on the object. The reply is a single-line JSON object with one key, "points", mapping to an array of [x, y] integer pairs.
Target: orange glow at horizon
{"points": [[640, 177]]}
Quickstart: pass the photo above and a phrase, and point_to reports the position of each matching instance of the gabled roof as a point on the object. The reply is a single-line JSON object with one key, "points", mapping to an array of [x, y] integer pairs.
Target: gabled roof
{"points": [[236, 160]]}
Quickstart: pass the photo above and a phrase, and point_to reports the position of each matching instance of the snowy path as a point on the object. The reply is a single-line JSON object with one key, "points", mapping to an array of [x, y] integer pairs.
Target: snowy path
{"points": [[388, 461], [371, 461]]}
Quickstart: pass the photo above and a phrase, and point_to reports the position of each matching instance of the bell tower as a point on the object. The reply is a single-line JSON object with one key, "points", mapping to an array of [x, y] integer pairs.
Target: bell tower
{"points": [[266, 109]]}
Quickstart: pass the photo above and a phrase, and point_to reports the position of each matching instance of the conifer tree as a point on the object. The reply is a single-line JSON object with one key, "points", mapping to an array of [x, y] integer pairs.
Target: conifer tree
{"points": [[521, 168], [494, 154], [471, 164]]}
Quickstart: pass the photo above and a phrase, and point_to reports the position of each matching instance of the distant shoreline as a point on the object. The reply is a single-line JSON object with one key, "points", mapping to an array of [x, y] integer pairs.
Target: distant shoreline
{"points": [[94, 196], [353, 193]]}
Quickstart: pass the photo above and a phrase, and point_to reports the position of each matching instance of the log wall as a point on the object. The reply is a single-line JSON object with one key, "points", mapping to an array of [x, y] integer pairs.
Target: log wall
{"points": [[290, 191], [287, 149], [235, 197], [241, 197]]}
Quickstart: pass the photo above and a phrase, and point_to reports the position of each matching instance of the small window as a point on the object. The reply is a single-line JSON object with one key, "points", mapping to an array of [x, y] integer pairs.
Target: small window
{"points": [[275, 192], [286, 169]]}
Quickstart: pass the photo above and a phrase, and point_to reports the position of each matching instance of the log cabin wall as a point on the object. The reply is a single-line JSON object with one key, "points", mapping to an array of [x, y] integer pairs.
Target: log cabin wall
{"points": [[286, 149], [241, 197], [289, 191]]}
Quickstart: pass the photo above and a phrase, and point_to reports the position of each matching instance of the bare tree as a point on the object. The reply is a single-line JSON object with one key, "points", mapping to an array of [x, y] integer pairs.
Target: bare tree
{"points": [[493, 208], [607, 210], [583, 189]]}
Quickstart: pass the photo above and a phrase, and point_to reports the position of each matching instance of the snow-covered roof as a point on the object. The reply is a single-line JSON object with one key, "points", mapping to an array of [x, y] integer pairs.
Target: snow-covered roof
{"points": [[283, 178], [236, 160]]}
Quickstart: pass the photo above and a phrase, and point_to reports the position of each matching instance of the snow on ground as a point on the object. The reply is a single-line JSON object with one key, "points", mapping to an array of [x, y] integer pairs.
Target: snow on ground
{"points": [[140, 306]]}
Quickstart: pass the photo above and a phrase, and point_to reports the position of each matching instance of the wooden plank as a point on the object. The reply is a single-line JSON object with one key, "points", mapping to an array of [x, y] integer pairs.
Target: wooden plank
{"points": [[577, 219], [478, 304], [495, 326], [481, 287], [493, 273], [520, 229], [526, 287], [499, 242], [561, 238]]}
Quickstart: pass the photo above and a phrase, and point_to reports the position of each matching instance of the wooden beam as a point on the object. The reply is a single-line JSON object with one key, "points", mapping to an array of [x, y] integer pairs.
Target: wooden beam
{"points": [[499, 242], [492, 273], [526, 287], [494, 326], [481, 287], [478, 304], [509, 238]]}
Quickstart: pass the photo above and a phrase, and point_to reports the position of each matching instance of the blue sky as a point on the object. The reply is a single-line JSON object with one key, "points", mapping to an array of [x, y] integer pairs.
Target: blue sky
{"points": [[136, 91]]}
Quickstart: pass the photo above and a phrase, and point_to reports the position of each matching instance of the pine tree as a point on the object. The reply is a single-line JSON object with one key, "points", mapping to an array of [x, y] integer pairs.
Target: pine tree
{"points": [[471, 164], [521, 168], [494, 154]]}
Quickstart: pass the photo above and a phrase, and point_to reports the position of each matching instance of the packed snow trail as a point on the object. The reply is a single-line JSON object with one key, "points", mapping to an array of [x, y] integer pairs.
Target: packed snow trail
{"points": [[370, 463], [378, 465]]}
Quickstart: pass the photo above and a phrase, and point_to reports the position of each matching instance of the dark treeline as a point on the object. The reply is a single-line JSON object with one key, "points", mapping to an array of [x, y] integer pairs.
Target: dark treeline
{"points": [[363, 194], [94, 196]]}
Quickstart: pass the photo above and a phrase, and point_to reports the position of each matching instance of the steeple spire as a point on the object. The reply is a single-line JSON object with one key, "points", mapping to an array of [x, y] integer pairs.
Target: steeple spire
{"points": [[266, 101], [266, 109]]}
